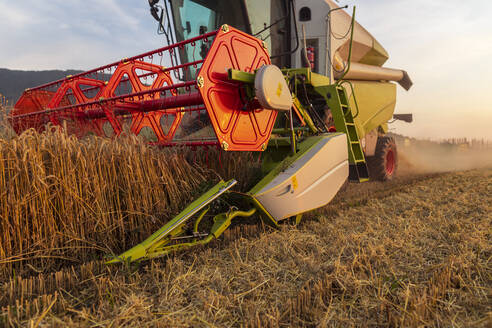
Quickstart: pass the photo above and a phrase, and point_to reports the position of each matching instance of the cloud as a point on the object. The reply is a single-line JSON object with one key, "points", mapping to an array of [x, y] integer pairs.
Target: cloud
{"points": [[73, 34], [12, 15]]}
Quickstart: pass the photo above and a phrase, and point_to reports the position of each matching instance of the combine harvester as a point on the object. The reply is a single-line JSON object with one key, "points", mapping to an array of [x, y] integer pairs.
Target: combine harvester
{"points": [[300, 81]]}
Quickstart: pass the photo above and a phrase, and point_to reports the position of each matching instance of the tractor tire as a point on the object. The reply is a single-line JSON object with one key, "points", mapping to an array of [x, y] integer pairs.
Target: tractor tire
{"points": [[383, 165]]}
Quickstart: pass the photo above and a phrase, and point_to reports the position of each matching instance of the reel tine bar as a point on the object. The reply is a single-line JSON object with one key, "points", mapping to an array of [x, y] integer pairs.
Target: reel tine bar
{"points": [[163, 104]]}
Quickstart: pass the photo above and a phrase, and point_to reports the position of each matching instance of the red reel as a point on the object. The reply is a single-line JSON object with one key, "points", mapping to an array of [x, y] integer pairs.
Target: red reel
{"points": [[146, 96]]}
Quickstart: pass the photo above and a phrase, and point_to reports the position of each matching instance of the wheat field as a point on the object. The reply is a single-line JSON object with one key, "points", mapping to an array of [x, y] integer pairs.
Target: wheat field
{"points": [[414, 252], [65, 200]]}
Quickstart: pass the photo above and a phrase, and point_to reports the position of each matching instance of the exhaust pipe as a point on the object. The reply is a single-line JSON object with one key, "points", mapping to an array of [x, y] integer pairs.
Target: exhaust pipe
{"points": [[403, 117]]}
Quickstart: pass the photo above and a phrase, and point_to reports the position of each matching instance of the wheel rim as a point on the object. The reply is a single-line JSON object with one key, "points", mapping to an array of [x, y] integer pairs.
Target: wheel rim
{"points": [[390, 162]]}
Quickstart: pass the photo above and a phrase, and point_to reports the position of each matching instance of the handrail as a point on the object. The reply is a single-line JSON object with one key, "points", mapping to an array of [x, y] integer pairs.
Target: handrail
{"points": [[350, 48], [353, 95]]}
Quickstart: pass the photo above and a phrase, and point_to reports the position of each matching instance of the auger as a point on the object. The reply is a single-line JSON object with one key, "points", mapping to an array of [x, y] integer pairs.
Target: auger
{"points": [[318, 113]]}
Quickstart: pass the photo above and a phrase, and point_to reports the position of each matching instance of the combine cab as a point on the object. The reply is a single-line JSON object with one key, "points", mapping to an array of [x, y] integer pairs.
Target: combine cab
{"points": [[320, 119]]}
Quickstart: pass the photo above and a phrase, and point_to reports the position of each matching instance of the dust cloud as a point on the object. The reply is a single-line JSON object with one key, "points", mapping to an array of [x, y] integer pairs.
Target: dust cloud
{"points": [[432, 157]]}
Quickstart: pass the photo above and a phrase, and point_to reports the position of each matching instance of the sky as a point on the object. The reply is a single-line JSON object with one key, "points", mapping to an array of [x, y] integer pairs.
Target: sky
{"points": [[444, 45]]}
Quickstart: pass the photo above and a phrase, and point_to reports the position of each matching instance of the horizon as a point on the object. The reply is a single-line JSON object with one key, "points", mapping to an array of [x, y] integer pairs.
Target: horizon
{"points": [[442, 45]]}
